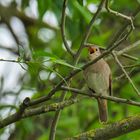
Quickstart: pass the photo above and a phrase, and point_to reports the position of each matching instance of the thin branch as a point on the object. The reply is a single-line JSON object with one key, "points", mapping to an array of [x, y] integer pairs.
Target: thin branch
{"points": [[132, 66], [56, 119], [111, 130], [123, 75], [118, 14], [130, 57], [110, 98], [125, 50], [7, 106], [88, 31], [129, 79], [63, 28], [124, 27], [14, 36], [10, 49], [36, 111], [8, 60], [129, 48]]}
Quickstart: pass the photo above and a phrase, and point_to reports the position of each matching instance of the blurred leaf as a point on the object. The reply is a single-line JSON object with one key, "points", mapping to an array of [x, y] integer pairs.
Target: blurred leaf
{"points": [[55, 59], [83, 11], [62, 62], [80, 2], [24, 3], [45, 54], [43, 5]]}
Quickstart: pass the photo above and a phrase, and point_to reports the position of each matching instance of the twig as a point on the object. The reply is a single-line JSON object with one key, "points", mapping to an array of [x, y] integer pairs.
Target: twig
{"points": [[63, 28], [132, 66], [88, 31], [124, 27], [14, 36], [7, 106], [111, 130], [123, 75], [8, 60], [129, 48], [126, 49], [130, 57], [10, 49], [110, 98], [122, 68], [55, 120], [118, 14]]}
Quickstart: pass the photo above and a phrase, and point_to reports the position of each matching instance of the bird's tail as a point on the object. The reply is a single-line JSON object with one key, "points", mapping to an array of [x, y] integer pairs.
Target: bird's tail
{"points": [[103, 110]]}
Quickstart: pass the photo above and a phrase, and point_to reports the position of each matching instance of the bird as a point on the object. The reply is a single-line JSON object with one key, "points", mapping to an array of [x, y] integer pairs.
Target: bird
{"points": [[98, 79]]}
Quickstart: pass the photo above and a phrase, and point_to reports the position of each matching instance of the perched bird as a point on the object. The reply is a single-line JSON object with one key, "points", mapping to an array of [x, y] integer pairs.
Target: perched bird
{"points": [[98, 78]]}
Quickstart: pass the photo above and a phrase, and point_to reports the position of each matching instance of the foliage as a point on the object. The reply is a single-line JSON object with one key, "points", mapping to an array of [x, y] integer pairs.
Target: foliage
{"points": [[47, 63]]}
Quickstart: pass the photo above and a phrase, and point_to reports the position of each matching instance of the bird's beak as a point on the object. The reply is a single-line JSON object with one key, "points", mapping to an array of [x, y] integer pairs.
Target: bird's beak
{"points": [[91, 50], [90, 47]]}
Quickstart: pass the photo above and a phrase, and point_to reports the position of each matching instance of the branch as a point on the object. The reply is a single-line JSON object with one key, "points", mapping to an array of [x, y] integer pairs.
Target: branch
{"points": [[63, 28], [130, 57], [88, 31], [126, 49], [56, 119], [22, 107], [36, 111], [7, 106], [132, 66], [123, 28], [110, 98], [14, 36], [118, 14], [129, 79], [129, 48], [112, 130]]}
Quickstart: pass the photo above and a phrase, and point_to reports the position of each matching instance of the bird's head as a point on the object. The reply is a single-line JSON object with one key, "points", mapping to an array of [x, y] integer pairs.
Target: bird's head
{"points": [[93, 51]]}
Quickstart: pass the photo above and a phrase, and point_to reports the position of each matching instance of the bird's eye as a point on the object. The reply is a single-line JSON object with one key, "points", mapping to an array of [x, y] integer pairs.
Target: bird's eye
{"points": [[96, 49]]}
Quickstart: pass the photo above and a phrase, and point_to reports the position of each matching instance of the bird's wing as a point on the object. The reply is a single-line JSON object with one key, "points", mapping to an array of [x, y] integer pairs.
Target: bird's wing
{"points": [[110, 85]]}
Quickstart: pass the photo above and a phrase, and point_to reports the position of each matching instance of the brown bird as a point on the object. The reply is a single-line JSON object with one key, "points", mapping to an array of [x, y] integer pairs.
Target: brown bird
{"points": [[98, 78]]}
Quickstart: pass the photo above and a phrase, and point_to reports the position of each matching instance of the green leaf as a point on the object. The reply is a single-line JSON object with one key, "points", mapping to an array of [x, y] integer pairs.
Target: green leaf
{"points": [[62, 62], [82, 10], [25, 3], [55, 59], [45, 54], [43, 5], [80, 2]]}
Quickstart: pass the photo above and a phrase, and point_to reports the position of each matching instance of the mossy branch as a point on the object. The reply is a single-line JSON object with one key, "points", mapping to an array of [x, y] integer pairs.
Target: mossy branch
{"points": [[111, 130]]}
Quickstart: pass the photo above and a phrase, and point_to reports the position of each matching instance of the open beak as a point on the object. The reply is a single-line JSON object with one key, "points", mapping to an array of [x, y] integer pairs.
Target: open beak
{"points": [[91, 50], [90, 47]]}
